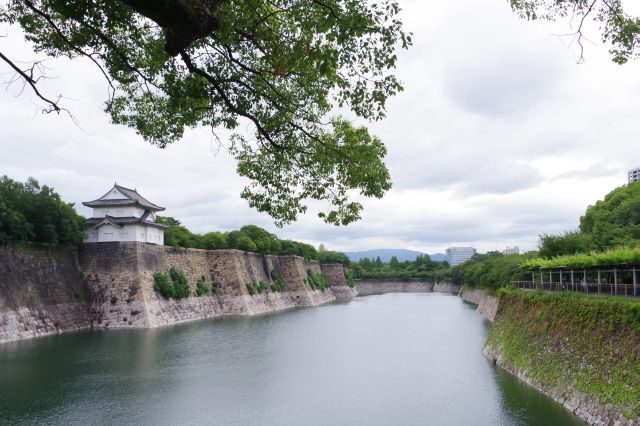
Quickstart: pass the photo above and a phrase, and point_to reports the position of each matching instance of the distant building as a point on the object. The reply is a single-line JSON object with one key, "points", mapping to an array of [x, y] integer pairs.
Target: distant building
{"points": [[124, 215], [458, 255], [511, 250], [634, 175]]}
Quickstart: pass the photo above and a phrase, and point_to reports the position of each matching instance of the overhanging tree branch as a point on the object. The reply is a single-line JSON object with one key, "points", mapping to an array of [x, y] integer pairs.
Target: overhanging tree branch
{"points": [[28, 79]]}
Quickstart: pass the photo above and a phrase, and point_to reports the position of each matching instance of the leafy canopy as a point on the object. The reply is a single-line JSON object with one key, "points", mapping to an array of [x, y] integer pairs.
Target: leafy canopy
{"points": [[610, 223], [277, 68], [30, 212]]}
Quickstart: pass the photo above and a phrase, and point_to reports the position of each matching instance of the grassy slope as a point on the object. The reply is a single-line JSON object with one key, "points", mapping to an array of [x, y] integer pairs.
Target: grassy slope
{"points": [[587, 343]]}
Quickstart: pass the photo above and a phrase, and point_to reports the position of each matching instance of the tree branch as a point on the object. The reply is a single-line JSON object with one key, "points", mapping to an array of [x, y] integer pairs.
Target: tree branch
{"points": [[28, 78]]}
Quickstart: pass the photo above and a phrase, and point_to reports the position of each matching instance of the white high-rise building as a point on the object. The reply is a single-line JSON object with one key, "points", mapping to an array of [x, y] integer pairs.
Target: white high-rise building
{"points": [[511, 250], [458, 255], [634, 175]]}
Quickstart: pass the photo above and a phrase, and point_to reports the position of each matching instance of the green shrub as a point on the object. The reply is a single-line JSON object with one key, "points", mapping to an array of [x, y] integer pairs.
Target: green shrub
{"points": [[263, 287], [177, 288], [201, 286], [251, 289], [349, 277], [180, 283], [277, 286], [162, 285], [275, 275], [114, 300], [317, 281], [214, 287]]}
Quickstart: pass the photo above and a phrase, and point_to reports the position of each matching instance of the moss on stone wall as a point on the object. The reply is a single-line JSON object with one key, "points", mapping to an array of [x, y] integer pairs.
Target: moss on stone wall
{"points": [[571, 343]]}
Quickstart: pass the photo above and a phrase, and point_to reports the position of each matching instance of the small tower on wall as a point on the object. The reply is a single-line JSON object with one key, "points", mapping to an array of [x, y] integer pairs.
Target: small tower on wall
{"points": [[124, 215]]}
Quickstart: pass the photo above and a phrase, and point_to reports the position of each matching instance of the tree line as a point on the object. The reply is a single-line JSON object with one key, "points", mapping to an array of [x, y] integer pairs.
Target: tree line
{"points": [[30, 212], [250, 238], [611, 223], [423, 267], [490, 270]]}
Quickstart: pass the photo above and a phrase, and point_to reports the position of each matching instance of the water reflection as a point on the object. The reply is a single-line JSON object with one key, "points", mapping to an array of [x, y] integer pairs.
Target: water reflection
{"points": [[392, 359]]}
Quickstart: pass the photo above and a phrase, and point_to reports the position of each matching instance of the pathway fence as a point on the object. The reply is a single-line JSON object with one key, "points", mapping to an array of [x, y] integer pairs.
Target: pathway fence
{"points": [[615, 282]]}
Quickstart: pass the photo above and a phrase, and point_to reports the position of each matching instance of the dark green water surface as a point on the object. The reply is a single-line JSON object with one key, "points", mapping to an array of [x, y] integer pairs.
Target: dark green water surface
{"points": [[395, 359]]}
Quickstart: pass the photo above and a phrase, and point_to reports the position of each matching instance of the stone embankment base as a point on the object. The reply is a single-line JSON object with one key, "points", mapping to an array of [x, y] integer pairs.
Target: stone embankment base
{"points": [[487, 304], [580, 352], [588, 409], [367, 288], [371, 287]]}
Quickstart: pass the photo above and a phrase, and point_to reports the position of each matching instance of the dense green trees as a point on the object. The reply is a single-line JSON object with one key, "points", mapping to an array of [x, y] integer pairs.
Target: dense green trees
{"points": [[423, 267], [568, 243], [611, 222], [248, 238], [30, 212], [614, 221], [491, 270]]}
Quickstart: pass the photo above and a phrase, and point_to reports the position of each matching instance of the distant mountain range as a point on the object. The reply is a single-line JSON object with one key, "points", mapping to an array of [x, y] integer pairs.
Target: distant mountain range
{"points": [[386, 254]]}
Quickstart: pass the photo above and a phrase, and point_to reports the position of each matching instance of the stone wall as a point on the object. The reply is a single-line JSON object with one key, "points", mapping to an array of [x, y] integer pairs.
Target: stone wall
{"points": [[338, 282], [41, 292], [446, 288], [487, 304], [110, 285], [370, 287], [138, 305]]}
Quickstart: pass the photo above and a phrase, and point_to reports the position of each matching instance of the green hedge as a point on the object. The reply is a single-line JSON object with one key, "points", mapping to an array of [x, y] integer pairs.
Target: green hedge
{"points": [[613, 257]]}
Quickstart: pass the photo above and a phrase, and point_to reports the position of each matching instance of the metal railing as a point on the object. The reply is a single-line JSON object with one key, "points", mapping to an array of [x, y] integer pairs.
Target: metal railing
{"points": [[617, 289]]}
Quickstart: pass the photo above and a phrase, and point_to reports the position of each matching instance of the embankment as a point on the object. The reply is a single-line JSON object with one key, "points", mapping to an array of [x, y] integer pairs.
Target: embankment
{"points": [[371, 287], [582, 351], [41, 292], [487, 303], [110, 285]]}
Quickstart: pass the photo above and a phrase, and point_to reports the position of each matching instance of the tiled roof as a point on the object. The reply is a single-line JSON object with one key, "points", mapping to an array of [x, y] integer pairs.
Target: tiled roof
{"points": [[133, 198], [133, 194]]}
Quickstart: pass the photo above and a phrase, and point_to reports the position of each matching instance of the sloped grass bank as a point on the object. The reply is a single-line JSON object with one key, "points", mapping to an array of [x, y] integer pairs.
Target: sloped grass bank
{"points": [[583, 351]]}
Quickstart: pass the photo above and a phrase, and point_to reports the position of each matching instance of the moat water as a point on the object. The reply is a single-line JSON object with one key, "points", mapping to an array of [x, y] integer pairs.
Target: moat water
{"points": [[395, 359]]}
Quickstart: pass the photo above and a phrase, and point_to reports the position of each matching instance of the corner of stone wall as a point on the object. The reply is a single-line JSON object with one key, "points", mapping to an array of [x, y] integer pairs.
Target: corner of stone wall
{"points": [[334, 273], [112, 273]]}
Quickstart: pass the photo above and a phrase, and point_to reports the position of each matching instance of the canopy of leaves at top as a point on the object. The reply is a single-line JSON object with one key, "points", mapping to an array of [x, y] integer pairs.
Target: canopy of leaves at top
{"points": [[277, 68]]}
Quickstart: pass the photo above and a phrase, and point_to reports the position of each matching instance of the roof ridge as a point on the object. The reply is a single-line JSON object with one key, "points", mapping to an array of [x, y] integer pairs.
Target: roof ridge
{"points": [[124, 187]]}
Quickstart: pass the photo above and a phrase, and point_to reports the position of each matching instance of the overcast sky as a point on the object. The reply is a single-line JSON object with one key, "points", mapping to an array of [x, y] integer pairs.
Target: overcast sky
{"points": [[498, 137]]}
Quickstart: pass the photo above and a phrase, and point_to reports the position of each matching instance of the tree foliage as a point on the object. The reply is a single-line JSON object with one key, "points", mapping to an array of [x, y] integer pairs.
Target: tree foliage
{"points": [[618, 29], [30, 212], [278, 66], [611, 222], [491, 270], [612, 257], [248, 238], [422, 268], [568, 243]]}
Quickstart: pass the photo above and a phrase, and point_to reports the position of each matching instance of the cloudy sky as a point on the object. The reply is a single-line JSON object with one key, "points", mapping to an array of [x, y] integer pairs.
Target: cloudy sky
{"points": [[498, 137]]}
